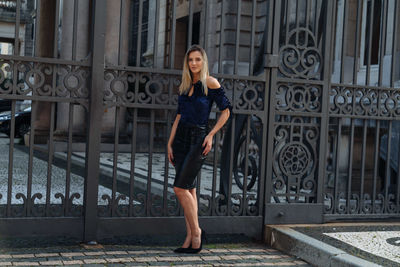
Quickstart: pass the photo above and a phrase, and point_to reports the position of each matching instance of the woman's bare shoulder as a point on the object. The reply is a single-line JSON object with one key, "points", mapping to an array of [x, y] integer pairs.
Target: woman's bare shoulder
{"points": [[212, 83]]}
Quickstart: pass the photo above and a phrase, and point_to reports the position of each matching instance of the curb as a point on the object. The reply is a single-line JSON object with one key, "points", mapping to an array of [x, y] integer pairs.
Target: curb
{"points": [[309, 249]]}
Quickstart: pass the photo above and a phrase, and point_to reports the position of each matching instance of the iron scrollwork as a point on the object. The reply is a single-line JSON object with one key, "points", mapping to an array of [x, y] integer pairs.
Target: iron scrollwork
{"points": [[300, 57], [295, 160]]}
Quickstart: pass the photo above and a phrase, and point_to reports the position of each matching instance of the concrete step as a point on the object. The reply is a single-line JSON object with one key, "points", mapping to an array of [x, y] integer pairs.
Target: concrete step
{"points": [[313, 251]]}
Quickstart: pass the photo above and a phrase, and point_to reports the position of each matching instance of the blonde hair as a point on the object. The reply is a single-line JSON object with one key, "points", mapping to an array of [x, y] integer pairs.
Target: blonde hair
{"points": [[187, 80]]}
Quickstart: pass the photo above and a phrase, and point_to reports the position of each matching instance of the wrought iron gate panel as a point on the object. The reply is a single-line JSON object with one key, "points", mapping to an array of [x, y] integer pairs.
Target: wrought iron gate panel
{"points": [[362, 172], [297, 120]]}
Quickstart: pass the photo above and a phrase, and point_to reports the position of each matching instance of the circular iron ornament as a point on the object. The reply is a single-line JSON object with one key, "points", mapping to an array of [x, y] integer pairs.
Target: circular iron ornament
{"points": [[394, 241], [295, 159], [298, 58]]}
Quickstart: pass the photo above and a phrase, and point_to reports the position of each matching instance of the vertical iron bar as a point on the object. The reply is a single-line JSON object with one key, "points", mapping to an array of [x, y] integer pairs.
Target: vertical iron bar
{"points": [[252, 35], [190, 30], [205, 14], [394, 47], [370, 32], [382, 43], [30, 162], [221, 37], [11, 149], [56, 22], [173, 33], [297, 20], [121, 30], [350, 170], [275, 23], [133, 155], [37, 26], [237, 43], [307, 19], [363, 153], [75, 30], [376, 157], [356, 43], [157, 27], [344, 41], [339, 144], [214, 175], [150, 164], [246, 166], [95, 117], [387, 168], [50, 151], [287, 6], [327, 71], [139, 37], [232, 147], [266, 197], [166, 165], [69, 155], [115, 162], [17, 25], [264, 185]]}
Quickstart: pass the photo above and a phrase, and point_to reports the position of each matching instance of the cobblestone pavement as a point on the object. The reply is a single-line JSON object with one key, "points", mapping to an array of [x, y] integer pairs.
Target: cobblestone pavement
{"points": [[116, 255]]}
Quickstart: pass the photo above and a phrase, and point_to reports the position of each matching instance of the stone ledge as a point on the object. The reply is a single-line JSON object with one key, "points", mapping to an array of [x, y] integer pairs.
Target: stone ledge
{"points": [[309, 249]]}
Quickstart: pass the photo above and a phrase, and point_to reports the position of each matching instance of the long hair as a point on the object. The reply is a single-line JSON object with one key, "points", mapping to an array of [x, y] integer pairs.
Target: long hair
{"points": [[187, 78]]}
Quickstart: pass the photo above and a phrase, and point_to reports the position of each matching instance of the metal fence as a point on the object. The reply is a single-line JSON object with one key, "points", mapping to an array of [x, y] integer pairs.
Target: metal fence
{"points": [[312, 136]]}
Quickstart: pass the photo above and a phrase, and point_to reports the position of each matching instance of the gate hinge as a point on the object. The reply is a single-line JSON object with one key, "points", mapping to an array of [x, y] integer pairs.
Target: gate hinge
{"points": [[271, 61]]}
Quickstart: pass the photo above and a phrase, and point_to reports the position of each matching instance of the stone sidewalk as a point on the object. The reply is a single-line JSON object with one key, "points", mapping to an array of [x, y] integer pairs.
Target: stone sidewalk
{"points": [[125, 255]]}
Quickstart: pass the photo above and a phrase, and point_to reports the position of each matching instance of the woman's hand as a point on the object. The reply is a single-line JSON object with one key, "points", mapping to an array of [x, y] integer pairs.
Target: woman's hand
{"points": [[170, 155], [207, 144]]}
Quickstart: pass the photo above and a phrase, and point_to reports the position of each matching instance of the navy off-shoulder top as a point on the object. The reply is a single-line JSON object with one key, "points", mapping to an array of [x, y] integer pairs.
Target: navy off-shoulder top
{"points": [[195, 109]]}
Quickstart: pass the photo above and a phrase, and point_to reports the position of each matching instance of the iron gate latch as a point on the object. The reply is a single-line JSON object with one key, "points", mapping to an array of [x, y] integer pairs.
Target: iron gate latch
{"points": [[271, 61]]}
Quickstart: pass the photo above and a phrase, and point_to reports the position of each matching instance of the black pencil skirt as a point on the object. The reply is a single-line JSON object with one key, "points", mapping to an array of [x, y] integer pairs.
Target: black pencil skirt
{"points": [[188, 154]]}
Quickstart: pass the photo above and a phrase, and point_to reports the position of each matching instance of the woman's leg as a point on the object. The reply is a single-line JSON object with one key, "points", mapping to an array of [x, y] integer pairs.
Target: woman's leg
{"points": [[188, 240], [189, 204]]}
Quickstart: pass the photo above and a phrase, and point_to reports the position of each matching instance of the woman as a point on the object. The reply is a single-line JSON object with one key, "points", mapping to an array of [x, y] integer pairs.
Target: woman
{"points": [[190, 141]]}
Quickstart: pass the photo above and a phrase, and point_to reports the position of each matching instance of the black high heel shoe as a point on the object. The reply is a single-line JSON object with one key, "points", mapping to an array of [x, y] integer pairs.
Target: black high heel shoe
{"points": [[182, 250], [202, 241]]}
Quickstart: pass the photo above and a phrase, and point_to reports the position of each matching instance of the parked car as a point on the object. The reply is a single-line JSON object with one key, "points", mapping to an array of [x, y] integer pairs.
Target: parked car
{"points": [[22, 122], [5, 105]]}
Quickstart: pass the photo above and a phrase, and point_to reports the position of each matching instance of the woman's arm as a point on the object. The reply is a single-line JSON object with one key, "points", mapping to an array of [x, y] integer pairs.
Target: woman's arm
{"points": [[213, 84], [207, 144], [171, 138]]}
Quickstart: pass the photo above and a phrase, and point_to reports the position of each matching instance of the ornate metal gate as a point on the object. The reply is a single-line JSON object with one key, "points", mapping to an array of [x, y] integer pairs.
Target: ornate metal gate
{"points": [[333, 114], [313, 136]]}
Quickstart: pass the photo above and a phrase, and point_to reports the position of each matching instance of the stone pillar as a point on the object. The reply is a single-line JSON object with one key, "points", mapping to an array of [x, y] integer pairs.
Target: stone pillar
{"points": [[112, 44], [44, 48]]}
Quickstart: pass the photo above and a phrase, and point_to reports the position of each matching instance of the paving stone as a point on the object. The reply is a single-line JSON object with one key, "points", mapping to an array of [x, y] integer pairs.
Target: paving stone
{"points": [[5, 256], [72, 254], [272, 256], [256, 257], [51, 263], [116, 252], [231, 257], [114, 260], [69, 262], [190, 258], [211, 258], [26, 263], [17, 256], [94, 261], [46, 255], [94, 253], [5, 263], [168, 259], [238, 250], [218, 250], [145, 259]]}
